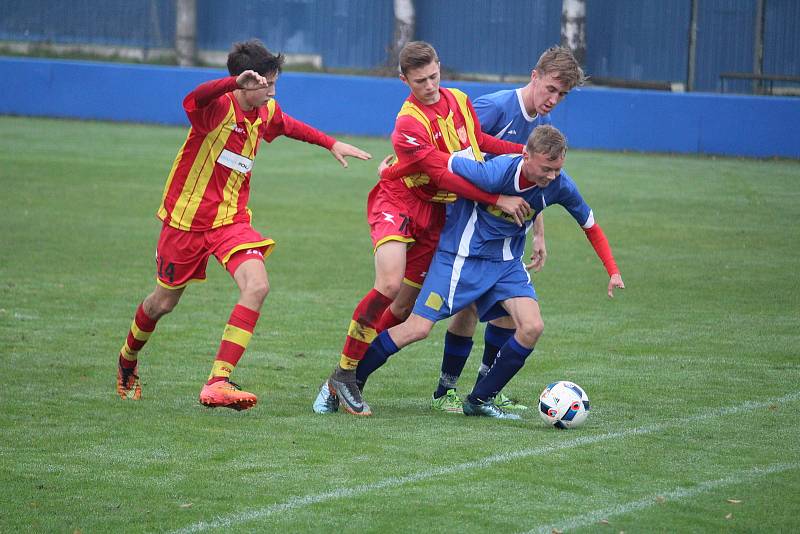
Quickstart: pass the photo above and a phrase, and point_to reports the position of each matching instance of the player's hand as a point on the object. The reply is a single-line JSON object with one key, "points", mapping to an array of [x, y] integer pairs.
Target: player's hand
{"points": [[250, 80], [538, 255], [341, 150], [385, 162], [616, 281], [514, 206]]}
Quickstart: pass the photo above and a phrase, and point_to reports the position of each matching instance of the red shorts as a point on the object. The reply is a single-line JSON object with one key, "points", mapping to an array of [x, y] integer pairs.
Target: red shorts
{"points": [[181, 256], [408, 219]]}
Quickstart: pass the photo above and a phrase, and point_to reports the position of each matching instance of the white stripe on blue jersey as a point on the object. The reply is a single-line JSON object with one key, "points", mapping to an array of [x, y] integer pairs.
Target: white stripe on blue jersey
{"points": [[503, 115]]}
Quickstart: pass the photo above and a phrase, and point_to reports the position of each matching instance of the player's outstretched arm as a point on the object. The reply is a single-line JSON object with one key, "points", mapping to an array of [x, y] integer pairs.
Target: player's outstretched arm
{"points": [[599, 242], [342, 150]]}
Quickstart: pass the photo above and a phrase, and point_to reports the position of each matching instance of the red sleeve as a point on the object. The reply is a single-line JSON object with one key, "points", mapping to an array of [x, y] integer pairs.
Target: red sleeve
{"points": [[493, 145], [435, 166], [412, 144], [203, 105], [600, 244], [410, 140], [490, 144], [283, 124]]}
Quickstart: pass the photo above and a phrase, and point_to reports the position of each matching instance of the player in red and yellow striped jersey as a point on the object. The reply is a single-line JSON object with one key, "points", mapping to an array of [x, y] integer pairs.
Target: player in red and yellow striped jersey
{"points": [[407, 214], [204, 212]]}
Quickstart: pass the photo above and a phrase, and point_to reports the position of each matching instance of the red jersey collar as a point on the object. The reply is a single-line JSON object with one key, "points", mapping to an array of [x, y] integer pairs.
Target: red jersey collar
{"points": [[263, 112], [429, 109]]}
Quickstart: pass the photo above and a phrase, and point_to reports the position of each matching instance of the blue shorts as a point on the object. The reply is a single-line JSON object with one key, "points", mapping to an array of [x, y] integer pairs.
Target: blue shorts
{"points": [[454, 282]]}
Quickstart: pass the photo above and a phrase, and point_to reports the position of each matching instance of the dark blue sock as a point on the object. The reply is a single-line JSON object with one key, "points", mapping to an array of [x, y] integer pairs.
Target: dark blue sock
{"points": [[456, 352], [493, 338], [378, 352], [509, 361]]}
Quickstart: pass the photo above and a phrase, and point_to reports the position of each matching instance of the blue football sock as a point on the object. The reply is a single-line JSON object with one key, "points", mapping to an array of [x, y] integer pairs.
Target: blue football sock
{"points": [[509, 361], [494, 337], [378, 352], [456, 352]]}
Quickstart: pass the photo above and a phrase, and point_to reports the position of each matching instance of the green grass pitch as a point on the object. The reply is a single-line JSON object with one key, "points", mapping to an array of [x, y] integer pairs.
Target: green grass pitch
{"points": [[692, 371]]}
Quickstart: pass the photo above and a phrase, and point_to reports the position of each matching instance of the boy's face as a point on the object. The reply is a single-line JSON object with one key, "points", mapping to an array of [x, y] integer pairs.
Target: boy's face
{"points": [[539, 169], [258, 97], [548, 91], [424, 82]]}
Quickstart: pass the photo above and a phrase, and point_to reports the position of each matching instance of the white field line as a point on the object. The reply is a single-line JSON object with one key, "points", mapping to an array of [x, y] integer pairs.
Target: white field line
{"points": [[246, 516], [592, 518]]}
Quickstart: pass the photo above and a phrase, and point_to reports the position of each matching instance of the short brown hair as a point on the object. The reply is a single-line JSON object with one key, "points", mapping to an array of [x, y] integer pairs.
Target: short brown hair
{"points": [[547, 140], [253, 55], [416, 54], [559, 61]]}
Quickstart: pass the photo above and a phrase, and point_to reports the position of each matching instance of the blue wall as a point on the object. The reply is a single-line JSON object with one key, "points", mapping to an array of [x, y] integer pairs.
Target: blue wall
{"points": [[591, 118]]}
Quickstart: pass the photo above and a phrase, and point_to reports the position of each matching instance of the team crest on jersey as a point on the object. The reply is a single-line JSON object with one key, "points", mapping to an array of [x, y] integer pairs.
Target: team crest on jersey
{"points": [[462, 134]]}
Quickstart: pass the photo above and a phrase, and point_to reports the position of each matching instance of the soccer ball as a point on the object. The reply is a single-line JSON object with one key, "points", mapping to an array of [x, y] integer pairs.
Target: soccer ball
{"points": [[564, 404]]}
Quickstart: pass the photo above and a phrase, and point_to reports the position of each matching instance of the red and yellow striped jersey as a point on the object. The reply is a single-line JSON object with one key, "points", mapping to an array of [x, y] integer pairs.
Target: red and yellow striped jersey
{"points": [[209, 184], [448, 126]]}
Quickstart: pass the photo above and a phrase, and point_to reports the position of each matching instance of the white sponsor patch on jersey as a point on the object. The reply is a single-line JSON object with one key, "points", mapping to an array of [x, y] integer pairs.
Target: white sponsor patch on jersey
{"points": [[235, 161]]}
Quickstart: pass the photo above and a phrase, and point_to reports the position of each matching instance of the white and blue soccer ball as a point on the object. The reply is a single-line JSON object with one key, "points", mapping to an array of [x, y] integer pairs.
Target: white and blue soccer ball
{"points": [[564, 404]]}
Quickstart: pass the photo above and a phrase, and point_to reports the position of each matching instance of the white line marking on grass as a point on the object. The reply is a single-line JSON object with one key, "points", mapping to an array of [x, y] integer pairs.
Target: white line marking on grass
{"points": [[246, 516], [592, 518]]}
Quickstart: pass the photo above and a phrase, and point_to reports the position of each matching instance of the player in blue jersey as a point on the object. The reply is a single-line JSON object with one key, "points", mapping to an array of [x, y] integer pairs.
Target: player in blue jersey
{"points": [[511, 115], [479, 259]]}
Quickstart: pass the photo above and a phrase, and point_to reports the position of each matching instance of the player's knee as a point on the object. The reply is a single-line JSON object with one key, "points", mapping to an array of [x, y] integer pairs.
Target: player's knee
{"points": [[389, 288], [156, 306], [530, 330], [402, 310], [418, 328], [256, 290]]}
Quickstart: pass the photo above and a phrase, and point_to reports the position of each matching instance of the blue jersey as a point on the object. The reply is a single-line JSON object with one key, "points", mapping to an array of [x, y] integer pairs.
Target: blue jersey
{"points": [[503, 115], [477, 230]]}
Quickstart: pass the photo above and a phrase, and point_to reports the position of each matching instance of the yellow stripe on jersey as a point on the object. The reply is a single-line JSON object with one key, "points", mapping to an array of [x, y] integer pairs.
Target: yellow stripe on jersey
{"points": [[411, 109], [359, 333], [199, 175], [236, 335], [462, 98], [162, 211], [449, 135], [228, 208]]}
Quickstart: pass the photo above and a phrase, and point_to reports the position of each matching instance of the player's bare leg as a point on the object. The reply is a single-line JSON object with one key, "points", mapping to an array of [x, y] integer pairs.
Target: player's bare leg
{"points": [[390, 263], [219, 391], [510, 359], [157, 304]]}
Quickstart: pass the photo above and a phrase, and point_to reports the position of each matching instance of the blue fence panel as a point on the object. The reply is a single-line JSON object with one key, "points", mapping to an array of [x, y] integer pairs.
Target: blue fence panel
{"points": [[782, 38], [596, 118], [643, 40], [355, 33], [345, 33], [148, 24], [286, 26], [725, 36], [502, 37]]}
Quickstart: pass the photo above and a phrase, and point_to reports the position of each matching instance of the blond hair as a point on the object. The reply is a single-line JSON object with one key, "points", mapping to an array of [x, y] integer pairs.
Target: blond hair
{"points": [[547, 140], [416, 54], [559, 61]]}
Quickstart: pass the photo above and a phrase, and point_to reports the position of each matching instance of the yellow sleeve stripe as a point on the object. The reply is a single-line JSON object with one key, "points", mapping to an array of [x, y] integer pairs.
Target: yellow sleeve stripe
{"points": [[358, 332], [236, 335]]}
